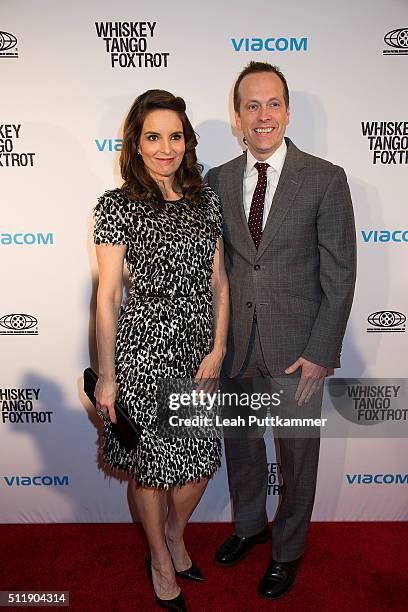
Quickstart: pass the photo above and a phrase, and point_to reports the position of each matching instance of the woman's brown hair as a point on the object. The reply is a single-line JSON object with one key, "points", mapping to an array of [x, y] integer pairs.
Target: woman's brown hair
{"points": [[138, 184]]}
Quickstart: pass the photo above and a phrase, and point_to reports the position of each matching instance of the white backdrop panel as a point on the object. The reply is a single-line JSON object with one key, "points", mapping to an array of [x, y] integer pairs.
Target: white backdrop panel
{"points": [[63, 93]]}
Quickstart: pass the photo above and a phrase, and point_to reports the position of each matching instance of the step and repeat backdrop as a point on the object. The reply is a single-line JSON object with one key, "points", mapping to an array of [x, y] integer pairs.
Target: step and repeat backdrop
{"points": [[69, 72]]}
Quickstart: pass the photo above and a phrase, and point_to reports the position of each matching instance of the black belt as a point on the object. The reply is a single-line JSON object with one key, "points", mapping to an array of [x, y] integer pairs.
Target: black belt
{"points": [[166, 296]]}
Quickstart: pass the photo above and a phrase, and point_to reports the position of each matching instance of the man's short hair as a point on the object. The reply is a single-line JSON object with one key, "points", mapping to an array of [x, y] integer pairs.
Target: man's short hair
{"points": [[253, 67]]}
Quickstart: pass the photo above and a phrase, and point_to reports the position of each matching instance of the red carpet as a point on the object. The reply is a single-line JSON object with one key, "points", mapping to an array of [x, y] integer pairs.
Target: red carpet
{"points": [[347, 567]]}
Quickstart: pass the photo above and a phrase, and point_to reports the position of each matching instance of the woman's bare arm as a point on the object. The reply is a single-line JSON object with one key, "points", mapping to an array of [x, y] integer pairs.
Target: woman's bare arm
{"points": [[110, 263], [211, 365]]}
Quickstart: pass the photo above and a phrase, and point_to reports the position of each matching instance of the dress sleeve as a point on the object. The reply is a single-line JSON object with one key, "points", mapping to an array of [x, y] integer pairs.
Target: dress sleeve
{"points": [[110, 223]]}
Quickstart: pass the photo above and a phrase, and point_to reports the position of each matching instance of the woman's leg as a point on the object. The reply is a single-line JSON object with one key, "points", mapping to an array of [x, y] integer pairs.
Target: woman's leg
{"points": [[151, 505], [181, 503]]}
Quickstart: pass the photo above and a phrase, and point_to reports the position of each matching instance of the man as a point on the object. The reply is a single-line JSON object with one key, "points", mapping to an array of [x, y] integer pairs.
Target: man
{"points": [[290, 256]]}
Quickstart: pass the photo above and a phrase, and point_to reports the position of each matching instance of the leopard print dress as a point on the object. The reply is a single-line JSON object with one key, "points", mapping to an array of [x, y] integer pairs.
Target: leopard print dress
{"points": [[165, 328]]}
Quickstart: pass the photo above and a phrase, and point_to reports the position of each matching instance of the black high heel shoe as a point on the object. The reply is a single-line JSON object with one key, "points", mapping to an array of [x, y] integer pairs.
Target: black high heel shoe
{"points": [[191, 573], [177, 604]]}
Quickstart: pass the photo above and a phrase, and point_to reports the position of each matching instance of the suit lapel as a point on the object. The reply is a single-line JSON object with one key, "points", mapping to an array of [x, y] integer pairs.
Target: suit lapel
{"points": [[286, 190], [234, 193]]}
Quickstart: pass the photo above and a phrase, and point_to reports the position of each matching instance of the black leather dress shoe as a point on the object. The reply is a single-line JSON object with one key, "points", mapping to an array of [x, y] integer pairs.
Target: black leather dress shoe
{"points": [[191, 573], [177, 604], [234, 549], [278, 579]]}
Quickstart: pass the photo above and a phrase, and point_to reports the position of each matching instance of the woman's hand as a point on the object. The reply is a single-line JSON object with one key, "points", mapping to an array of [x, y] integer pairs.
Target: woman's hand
{"points": [[209, 370], [210, 366], [105, 395]]}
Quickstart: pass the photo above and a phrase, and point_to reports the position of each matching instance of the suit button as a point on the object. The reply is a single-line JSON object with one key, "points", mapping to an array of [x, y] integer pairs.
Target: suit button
{"points": [[257, 267], [249, 304]]}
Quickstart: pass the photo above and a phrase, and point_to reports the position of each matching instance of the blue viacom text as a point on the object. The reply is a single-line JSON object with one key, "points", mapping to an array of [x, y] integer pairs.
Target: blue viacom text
{"points": [[280, 43]]}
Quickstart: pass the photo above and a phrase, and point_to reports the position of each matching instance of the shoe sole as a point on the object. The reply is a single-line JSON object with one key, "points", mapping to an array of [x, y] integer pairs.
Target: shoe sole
{"points": [[232, 563]]}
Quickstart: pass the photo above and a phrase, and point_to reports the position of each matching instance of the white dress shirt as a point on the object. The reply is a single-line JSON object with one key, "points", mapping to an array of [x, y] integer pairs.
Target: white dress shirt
{"points": [[275, 161]]}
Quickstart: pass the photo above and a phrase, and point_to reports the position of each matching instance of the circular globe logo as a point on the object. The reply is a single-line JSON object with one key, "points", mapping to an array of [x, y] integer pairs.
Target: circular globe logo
{"points": [[7, 41], [18, 321], [386, 318], [397, 38]]}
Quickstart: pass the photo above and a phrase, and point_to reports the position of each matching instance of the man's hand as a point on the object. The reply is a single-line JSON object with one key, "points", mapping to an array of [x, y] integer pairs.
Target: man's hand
{"points": [[311, 379]]}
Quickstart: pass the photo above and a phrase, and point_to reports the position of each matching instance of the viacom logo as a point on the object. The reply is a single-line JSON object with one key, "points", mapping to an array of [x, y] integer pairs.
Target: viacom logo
{"points": [[273, 487], [280, 43], [381, 236], [21, 406], [386, 321], [35, 481], [18, 324], [109, 144], [127, 43], [353, 479], [26, 239], [398, 40], [8, 45]]}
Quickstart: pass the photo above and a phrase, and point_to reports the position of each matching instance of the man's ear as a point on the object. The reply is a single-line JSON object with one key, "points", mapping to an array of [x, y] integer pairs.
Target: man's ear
{"points": [[238, 121]]}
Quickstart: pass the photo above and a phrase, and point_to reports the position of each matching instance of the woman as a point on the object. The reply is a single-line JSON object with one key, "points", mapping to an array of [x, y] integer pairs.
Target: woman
{"points": [[168, 226]]}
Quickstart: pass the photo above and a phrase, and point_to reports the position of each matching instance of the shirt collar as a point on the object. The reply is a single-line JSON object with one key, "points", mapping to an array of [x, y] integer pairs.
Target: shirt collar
{"points": [[276, 160]]}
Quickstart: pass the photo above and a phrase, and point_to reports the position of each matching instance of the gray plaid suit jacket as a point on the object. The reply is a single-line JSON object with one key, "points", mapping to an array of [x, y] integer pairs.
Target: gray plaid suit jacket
{"points": [[301, 279]]}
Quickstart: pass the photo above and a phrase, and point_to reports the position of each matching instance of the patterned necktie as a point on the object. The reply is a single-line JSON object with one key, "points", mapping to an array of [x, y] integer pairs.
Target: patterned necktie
{"points": [[257, 205]]}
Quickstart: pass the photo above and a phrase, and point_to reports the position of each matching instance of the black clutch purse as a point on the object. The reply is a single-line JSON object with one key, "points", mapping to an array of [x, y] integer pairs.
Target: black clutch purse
{"points": [[126, 430]]}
